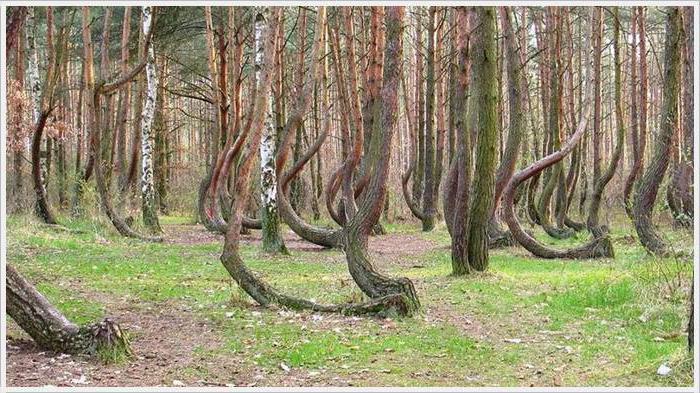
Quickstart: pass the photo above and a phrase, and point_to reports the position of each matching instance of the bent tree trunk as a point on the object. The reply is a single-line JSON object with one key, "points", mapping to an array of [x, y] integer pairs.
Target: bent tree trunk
{"points": [[651, 180], [96, 124], [554, 182], [357, 230], [50, 329], [42, 201], [326, 237], [599, 247], [406, 177], [40, 114], [593, 222], [263, 293], [516, 89]]}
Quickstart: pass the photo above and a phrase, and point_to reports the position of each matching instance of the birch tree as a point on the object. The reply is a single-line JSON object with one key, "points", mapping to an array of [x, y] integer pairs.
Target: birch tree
{"points": [[148, 198], [42, 106], [272, 240]]}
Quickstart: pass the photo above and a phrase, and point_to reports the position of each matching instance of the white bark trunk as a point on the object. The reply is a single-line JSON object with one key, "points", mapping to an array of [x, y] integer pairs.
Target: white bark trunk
{"points": [[268, 177], [33, 69], [35, 82], [147, 189]]}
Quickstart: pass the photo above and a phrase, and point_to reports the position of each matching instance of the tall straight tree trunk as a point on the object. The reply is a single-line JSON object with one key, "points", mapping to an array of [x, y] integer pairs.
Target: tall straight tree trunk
{"points": [[124, 101], [272, 240], [680, 190], [148, 197], [597, 110], [161, 141], [645, 197], [18, 159], [441, 102], [429, 209], [132, 173], [483, 189], [474, 201], [635, 134], [296, 195], [61, 166]]}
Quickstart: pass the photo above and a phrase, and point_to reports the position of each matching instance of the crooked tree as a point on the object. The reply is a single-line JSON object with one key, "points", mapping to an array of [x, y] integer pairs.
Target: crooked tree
{"points": [[598, 247], [650, 182]]}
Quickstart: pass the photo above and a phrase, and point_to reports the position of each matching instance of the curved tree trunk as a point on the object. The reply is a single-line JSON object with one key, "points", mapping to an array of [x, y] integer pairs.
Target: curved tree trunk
{"points": [[555, 181], [419, 103], [42, 202], [42, 106], [263, 293], [599, 247], [651, 180], [326, 237], [406, 177], [599, 184], [94, 94], [49, 328], [516, 88], [356, 232]]}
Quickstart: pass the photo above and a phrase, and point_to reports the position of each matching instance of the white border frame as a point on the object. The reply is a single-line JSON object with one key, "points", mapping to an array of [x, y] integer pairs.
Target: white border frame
{"points": [[290, 3]]}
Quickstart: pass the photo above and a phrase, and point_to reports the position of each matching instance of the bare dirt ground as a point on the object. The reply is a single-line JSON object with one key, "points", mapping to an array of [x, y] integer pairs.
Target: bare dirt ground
{"points": [[165, 337]]}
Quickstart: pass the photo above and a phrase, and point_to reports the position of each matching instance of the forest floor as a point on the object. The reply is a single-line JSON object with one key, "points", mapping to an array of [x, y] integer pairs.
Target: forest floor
{"points": [[525, 322]]}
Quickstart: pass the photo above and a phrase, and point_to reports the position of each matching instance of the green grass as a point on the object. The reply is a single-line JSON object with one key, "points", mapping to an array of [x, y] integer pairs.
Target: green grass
{"points": [[590, 322]]}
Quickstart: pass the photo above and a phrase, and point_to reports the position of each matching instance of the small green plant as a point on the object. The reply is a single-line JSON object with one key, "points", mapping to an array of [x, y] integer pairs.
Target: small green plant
{"points": [[118, 352]]}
